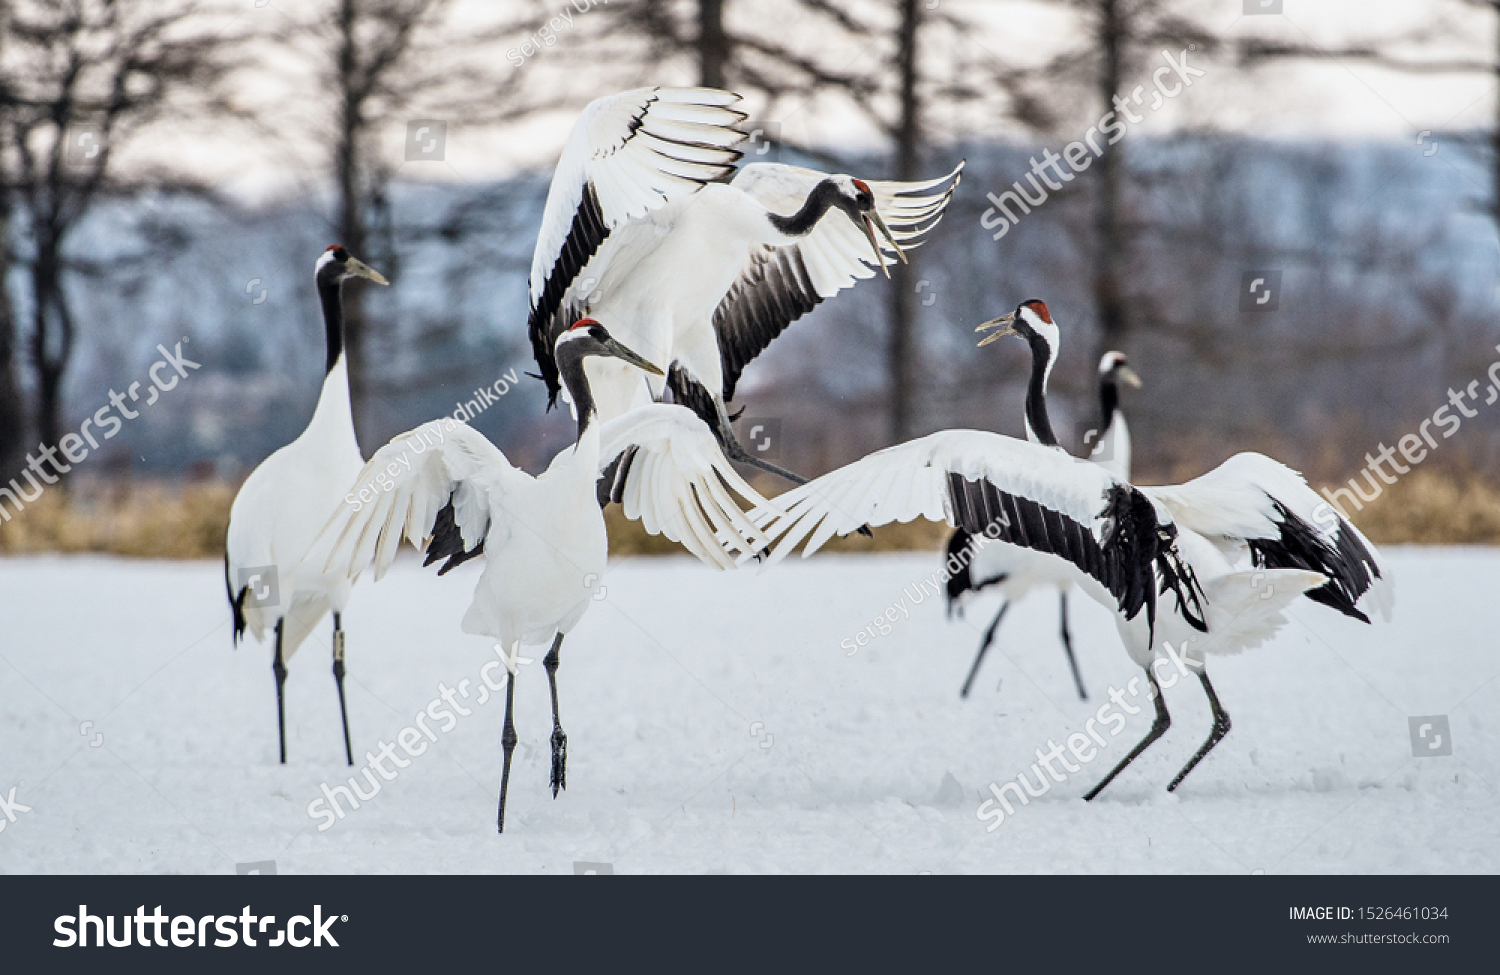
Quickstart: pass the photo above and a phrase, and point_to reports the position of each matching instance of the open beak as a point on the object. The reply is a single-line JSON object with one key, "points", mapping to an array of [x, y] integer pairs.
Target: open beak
{"points": [[620, 352], [363, 270], [873, 222], [1006, 324], [1128, 374]]}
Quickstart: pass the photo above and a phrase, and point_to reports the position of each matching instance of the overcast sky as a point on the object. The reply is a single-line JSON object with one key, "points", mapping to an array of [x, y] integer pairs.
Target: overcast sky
{"points": [[1343, 100]]}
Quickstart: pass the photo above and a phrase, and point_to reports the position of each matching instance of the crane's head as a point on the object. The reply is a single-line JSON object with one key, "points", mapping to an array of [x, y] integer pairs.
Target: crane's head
{"points": [[1114, 367], [587, 337], [336, 265], [856, 199], [1031, 320]]}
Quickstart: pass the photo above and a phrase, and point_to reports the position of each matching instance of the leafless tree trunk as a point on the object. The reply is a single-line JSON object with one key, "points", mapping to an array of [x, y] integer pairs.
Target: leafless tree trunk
{"points": [[902, 366], [85, 72], [713, 45], [382, 60], [352, 199], [12, 408], [1110, 245]]}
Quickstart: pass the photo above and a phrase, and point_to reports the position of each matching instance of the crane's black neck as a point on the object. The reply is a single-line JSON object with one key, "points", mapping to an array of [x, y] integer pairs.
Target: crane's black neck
{"points": [[1036, 390], [823, 197], [330, 288], [1109, 401], [570, 368]]}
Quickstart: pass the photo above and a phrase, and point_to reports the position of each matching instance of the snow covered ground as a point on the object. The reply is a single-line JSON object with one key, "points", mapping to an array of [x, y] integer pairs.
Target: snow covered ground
{"points": [[716, 724]]}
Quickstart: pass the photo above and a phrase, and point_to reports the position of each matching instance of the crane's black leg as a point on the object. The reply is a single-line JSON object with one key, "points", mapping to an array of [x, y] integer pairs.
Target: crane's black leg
{"points": [[1067, 640], [984, 646], [1158, 728], [278, 667], [1220, 729], [559, 740], [508, 742], [338, 676]]}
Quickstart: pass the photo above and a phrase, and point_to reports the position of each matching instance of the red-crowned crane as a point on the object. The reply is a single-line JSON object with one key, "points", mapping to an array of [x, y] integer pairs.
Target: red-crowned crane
{"points": [[694, 273], [285, 501], [1207, 566], [1014, 572], [455, 495]]}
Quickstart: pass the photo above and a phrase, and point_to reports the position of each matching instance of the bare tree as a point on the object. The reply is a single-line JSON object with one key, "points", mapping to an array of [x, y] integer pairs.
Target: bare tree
{"points": [[383, 61], [1120, 36], [81, 79], [12, 408], [1441, 26]]}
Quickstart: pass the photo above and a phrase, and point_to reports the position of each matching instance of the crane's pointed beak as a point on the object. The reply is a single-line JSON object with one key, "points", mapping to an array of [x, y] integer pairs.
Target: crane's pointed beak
{"points": [[873, 222], [620, 352], [1006, 324], [875, 244], [362, 270], [1128, 375], [886, 233]]}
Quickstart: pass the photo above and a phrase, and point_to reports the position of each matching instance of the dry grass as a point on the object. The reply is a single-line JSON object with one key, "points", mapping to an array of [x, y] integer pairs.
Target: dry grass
{"points": [[188, 521], [1434, 508], [155, 521]]}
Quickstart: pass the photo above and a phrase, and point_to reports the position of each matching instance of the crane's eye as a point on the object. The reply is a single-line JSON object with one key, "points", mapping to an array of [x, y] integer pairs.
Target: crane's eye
{"points": [[598, 333]]}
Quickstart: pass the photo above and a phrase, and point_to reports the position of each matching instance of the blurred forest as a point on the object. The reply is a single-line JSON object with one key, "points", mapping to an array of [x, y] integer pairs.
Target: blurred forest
{"points": [[1381, 257]]}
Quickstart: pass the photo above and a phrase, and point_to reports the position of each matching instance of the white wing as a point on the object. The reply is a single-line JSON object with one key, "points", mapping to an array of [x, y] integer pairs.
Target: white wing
{"points": [[1024, 494], [435, 485], [663, 465], [1252, 502], [778, 285], [626, 155]]}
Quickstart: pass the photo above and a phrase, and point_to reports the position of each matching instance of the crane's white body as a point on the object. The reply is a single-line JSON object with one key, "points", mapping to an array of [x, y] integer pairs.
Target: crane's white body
{"points": [[671, 245], [659, 280], [283, 505], [1014, 572], [549, 561], [1113, 449], [1236, 503], [544, 537], [1242, 608]]}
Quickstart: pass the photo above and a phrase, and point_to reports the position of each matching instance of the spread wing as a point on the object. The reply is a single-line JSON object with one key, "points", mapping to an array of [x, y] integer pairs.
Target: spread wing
{"points": [[1254, 503], [778, 285], [435, 485], [627, 154], [663, 465], [1010, 491]]}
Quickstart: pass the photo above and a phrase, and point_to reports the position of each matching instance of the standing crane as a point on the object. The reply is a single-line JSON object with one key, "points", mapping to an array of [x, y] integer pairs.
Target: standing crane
{"points": [[282, 504], [698, 274], [456, 496], [1015, 572]]}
